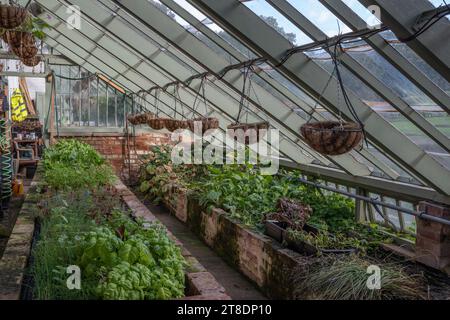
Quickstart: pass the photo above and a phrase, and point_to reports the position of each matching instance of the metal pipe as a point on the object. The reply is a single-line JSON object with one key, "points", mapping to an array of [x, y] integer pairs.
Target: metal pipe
{"points": [[421, 215]]}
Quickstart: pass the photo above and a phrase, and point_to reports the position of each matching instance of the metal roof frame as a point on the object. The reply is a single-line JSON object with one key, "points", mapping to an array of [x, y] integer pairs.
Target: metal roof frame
{"points": [[293, 153], [352, 20], [401, 19], [114, 51], [364, 75], [245, 25]]}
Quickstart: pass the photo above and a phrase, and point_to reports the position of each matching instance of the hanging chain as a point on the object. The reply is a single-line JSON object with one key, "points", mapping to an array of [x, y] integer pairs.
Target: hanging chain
{"points": [[156, 103], [203, 86], [247, 106], [244, 88], [313, 110]]}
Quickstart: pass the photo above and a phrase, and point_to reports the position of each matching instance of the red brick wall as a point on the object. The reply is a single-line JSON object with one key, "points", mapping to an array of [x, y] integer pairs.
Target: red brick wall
{"points": [[433, 238], [114, 149]]}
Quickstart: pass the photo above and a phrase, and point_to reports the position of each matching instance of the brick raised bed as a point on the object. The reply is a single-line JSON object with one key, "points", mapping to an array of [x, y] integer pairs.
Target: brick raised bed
{"points": [[200, 284], [261, 259]]}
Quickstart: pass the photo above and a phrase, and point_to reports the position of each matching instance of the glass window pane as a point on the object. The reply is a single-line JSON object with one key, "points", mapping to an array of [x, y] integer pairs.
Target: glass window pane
{"points": [[102, 103], [93, 102], [111, 107], [120, 109]]}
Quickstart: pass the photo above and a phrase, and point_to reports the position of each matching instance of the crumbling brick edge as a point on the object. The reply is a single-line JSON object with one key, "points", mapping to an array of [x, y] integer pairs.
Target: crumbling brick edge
{"points": [[258, 257], [14, 261], [200, 284]]}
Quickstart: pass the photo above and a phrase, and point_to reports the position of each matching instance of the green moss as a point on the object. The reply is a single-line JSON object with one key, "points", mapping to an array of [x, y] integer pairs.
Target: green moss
{"points": [[278, 282], [225, 243], [194, 215]]}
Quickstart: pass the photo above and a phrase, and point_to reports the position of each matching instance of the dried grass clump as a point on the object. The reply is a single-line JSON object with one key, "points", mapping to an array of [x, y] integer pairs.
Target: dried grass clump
{"points": [[345, 278]]}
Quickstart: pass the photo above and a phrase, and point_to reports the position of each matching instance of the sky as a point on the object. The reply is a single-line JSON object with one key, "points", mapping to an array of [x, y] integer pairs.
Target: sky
{"points": [[311, 9]]}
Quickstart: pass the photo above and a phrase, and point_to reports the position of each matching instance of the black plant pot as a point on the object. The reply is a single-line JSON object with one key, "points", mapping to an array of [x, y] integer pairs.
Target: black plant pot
{"points": [[276, 229]]}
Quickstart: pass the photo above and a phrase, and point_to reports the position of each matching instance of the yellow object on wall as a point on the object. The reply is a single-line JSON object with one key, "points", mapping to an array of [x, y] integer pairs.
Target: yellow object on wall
{"points": [[18, 107]]}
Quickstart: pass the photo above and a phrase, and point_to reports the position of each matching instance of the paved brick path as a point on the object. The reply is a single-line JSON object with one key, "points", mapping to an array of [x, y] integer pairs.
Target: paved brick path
{"points": [[236, 285]]}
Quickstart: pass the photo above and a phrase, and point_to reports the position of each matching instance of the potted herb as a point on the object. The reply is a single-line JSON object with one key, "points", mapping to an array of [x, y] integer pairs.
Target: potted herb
{"points": [[291, 214], [315, 242]]}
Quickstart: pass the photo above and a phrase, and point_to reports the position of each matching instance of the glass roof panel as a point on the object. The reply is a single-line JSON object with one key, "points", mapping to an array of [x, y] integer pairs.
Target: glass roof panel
{"points": [[440, 3], [323, 18], [238, 45], [193, 30], [418, 62], [363, 12], [328, 23], [278, 22]]}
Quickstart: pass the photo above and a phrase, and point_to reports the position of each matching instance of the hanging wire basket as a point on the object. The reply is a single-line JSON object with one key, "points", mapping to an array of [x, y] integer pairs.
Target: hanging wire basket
{"points": [[17, 38], [141, 118], [25, 52], [250, 128], [22, 44], [157, 123], [31, 62], [171, 124], [12, 16], [207, 123], [333, 137]]}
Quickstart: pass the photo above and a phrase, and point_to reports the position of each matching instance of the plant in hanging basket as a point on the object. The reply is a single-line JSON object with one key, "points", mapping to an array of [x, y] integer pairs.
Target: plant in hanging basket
{"points": [[292, 213], [264, 125], [12, 17], [332, 137], [31, 62], [156, 123]]}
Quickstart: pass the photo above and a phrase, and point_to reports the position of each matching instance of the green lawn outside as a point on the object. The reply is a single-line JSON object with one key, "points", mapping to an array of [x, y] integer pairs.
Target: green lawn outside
{"points": [[405, 126]]}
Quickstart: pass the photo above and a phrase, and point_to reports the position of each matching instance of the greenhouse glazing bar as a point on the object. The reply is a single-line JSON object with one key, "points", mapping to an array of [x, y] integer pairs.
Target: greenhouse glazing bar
{"points": [[93, 69], [395, 189], [288, 146], [186, 15], [416, 76], [421, 215], [364, 75], [174, 33], [244, 24], [401, 19]]}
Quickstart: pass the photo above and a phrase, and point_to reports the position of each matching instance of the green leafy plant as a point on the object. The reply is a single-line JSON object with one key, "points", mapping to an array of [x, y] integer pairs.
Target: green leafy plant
{"points": [[247, 196], [71, 164], [65, 177], [324, 240], [34, 25], [120, 258], [72, 152]]}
